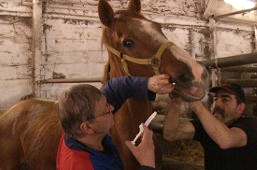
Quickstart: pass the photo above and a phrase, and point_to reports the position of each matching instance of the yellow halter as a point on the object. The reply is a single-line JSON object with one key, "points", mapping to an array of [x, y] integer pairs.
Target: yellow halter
{"points": [[154, 61]]}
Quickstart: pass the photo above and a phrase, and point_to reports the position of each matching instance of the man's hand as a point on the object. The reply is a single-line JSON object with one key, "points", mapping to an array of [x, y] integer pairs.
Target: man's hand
{"points": [[144, 152], [197, 106], [160, 84]]}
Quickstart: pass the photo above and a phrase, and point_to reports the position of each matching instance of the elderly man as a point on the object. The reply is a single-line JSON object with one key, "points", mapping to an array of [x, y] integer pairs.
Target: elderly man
{"points": [[86, 115], [228, 136]]}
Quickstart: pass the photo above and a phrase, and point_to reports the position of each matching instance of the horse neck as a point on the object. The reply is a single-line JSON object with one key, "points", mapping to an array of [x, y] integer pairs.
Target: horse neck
{"points": [[116, 68]]}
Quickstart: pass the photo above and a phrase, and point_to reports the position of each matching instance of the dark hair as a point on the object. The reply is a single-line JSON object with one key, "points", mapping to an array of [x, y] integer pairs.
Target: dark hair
{"points": [[77, 105]]}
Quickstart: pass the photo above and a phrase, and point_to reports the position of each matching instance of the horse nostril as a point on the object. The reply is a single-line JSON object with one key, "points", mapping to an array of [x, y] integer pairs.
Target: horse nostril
{"points": [[185, 77]]}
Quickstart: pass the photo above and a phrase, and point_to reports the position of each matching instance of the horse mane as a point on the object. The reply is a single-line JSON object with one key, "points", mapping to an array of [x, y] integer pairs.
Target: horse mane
{"points": [[28, 96]]}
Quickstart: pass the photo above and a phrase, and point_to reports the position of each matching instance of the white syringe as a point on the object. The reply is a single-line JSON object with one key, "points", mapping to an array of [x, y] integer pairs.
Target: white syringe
{"points": [[147, 123]]}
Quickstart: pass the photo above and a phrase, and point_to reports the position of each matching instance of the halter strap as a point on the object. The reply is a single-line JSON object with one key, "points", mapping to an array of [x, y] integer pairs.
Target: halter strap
{"points": [[154, 61]]}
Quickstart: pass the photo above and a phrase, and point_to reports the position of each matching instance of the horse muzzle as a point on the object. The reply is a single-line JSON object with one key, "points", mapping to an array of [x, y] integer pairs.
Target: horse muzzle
{"points": [[190, 93]]}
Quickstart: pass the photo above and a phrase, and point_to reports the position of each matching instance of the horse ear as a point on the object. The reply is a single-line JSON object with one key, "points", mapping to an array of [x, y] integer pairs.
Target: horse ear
{"points": [[134, 5], [105, 13]]}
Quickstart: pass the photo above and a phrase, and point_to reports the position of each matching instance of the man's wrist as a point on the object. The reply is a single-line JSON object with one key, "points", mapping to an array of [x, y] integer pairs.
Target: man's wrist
{"points": [[197, 107]]}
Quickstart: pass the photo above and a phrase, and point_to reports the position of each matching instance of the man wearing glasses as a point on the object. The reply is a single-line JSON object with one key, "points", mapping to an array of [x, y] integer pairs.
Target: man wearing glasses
{"points": [[86, 115]]}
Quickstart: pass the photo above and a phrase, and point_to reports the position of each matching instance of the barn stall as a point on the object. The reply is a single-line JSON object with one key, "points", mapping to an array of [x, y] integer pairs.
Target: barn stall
{"points": [[51, 44]]}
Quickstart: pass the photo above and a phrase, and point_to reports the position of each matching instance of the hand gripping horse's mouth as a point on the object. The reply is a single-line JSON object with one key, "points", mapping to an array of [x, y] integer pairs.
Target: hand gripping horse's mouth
{"points": [[188, 92]]}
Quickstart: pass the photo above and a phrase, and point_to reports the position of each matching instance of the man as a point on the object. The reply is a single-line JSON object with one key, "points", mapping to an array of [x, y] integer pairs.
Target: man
{"points": [[86, 115], [229, 137]]}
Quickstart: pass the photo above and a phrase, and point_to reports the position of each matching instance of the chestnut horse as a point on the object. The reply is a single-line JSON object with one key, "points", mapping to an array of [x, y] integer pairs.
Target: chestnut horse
{"points": [[138, 47], [30, 130]]}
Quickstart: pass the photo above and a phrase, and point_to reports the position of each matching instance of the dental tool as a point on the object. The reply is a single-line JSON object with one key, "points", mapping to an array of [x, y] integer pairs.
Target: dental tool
{"points": [[147, 123]]}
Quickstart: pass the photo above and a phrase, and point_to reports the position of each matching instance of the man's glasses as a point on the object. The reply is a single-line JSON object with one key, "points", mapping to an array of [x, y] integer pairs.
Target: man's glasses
{"points": [[109, 111]]}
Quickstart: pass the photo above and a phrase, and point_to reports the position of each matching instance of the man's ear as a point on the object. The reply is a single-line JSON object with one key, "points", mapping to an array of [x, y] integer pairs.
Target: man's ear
{"points": [[86, 128], [241, 108]]}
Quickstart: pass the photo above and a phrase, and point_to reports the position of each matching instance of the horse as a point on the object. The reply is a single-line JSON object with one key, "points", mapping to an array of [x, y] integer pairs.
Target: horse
{"points": [[30, 130], [137, 46]]}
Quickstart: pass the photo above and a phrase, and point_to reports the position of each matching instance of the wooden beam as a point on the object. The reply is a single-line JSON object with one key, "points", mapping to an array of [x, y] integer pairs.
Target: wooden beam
{"points": [[37, 31], [74, 80]]}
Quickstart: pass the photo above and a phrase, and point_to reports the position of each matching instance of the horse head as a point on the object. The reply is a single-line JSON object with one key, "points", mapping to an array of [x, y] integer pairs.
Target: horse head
{"points": [[137, 46]]}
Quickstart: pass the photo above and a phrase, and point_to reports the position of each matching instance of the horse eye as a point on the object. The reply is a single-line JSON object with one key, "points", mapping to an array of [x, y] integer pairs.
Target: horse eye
{"points": [[128, 43]]}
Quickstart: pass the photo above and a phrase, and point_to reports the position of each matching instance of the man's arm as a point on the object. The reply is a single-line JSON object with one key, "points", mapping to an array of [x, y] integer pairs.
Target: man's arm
{"points": [[117, 90], [174, 128], [219, 132]]}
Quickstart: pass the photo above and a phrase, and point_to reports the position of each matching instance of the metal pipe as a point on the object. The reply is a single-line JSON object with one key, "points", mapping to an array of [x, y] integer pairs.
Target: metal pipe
{"points": [[75, 80], [240, 69], [242, 82], [231, 61], [234, 13]]}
